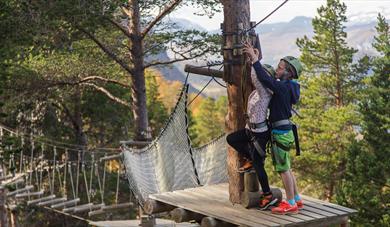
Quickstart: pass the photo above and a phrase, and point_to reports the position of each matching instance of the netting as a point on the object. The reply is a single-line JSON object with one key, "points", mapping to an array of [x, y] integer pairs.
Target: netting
{"points": [[170, 163], [165, 164], [210, 161]]}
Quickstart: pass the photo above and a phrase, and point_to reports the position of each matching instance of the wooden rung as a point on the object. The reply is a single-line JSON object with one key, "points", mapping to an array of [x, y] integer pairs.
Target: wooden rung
{"points": [[86, 208], [117, 206], [18, 178], [29, 194], [6, 177], [50, 202], [31, 202], [96, 212], [71, 209], [111, 157], [27, 188], [13, 182], [67, 203]]}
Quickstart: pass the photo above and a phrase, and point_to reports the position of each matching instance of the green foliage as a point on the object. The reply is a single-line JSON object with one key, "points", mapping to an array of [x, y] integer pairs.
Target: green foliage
{"points": [[367, 181], [210, 121], [329, 93]]}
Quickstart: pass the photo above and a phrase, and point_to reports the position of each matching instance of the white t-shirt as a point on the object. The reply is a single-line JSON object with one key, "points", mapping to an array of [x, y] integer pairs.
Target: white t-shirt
{"points": [[258, 101]]}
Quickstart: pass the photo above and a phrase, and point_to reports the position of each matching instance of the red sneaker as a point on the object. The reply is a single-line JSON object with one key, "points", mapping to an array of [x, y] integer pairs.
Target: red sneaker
{"points": [[267, 201], [299, 204], [285, 208]]}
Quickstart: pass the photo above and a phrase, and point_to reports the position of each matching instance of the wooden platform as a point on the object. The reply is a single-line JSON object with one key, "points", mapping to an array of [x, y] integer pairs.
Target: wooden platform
{"points": [[213, 201], [136, 223]]}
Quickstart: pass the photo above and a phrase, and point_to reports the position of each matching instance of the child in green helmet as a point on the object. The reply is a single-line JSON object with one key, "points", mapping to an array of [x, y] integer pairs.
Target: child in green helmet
{"points": [[285, 93]]}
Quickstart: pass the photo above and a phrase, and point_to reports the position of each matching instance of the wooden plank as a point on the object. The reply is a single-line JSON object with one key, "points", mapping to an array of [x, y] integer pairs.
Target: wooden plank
{"points": [[318, 211], [306, 198], [328, 222], [332, 205], [324, 208], [293, 218], [227, 209], [72, 202], [27, 194], [50, 197], [321, 207], [298, 217], [193, 205], [199, 195], [217, 195]]}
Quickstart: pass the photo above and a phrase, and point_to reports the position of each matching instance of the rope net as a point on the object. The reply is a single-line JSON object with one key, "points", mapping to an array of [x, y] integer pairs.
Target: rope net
{"points": [[170, 163], [210, 161]]}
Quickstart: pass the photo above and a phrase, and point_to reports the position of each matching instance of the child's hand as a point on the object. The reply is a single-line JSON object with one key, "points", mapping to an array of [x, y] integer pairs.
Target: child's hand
{"points": [[252, 53]]}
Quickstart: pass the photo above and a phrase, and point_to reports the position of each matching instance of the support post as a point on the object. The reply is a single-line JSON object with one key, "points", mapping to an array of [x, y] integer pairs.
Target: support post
{"points": [[251, 184], [236, 18]]}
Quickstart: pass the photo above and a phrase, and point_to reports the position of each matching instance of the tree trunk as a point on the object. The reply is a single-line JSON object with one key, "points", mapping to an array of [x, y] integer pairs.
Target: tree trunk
{"points": [[138, 90], [81, 138], [235, 12]]}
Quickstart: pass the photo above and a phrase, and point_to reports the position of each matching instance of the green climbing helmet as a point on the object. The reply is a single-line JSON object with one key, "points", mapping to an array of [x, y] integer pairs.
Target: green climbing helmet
{"points": [[270, 70], [295, 63]]}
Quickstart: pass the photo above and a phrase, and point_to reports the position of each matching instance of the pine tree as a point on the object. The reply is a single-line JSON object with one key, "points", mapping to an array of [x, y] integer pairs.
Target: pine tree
{"points": [[328, 95], [207, 125], [367, 181]]}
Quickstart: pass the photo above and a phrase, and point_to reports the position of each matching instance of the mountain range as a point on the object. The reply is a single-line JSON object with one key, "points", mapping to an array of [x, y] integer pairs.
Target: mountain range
{"points": [[277, 40]]}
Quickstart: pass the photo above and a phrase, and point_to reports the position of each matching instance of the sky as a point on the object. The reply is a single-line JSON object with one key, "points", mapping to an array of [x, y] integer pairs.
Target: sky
{"points": [[356, 9]]}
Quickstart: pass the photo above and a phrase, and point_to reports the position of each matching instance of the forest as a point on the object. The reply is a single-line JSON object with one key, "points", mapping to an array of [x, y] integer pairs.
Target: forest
{"points": [[87, 73]]}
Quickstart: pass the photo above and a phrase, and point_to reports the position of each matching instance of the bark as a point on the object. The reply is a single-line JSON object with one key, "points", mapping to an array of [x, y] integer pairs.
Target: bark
{"points": [[234, 12], [138, 89]]}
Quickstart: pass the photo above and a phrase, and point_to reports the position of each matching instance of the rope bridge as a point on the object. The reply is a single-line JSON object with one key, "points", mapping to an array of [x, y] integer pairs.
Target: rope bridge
{"points": [[42, 172], [170, 163]]}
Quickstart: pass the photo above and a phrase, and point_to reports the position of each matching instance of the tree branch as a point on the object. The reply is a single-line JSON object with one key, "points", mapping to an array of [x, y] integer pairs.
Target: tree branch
{"points": [[108, 94], [184, 58], [155, 63], [159, 17], [85, 79], [118, 25], [111, 54]]}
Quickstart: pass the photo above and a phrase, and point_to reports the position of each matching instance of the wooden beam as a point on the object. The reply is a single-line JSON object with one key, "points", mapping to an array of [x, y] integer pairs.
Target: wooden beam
{"points": [[88, 208], [27, 188], [182, 215], [35, 201], [96, 212], [50, 202], [71, 209], [111, 157], [72, 202], [118, 206], [153, 206], [27, 194], [203, 71], [212, 222]]}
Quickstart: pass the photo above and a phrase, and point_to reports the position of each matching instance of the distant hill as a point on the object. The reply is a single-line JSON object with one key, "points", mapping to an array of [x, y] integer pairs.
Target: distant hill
{"points": [[277, 40]]}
